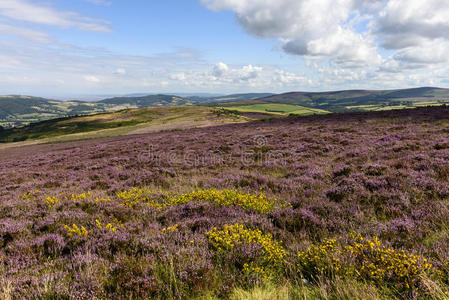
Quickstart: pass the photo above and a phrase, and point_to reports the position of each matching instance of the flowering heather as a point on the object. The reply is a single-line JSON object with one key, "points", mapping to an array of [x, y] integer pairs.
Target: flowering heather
{"points": [[134, 216]]}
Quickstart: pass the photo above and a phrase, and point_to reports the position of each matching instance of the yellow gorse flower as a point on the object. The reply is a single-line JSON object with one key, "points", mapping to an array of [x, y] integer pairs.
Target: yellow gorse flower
{"points": [[260, 202], [75, 230], [363, 258], [80, 197], [50, 201], [133, 197], [272, 253], [109, 226], [170, 229]]}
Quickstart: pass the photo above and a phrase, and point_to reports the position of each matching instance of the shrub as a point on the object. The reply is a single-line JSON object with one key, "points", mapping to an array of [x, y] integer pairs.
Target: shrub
{"points": [[364, 259], [74, 230], [258, 202], [254, 253]]}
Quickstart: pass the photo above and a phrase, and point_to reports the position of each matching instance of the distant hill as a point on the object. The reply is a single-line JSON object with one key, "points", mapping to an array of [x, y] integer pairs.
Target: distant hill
{"points": [[149, 100], [357, 100], [231, 98], [130, 121], [18, 110]]}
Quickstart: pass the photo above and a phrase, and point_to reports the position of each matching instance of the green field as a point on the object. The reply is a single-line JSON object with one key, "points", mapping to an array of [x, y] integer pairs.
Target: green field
{"points": [[279, 109]]}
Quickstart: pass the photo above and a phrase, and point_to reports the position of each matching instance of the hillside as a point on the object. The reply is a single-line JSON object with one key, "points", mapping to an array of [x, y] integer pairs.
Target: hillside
{"points": [[231, 98], [18, 110], [148, 101], [336, 206], [358, 100], [121, 122]]}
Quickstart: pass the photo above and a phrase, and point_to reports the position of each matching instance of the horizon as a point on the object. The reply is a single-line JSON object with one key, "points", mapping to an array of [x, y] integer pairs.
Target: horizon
{"points": [[107, 47], [99, 97]]}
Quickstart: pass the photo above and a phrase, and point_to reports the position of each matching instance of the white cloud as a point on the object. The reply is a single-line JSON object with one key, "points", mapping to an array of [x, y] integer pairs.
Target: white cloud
{"points": [[178, 76], [92, 78], [120, 71], [30, 34], [23, 10], [315, 28], [350, 33], [220, 69]]}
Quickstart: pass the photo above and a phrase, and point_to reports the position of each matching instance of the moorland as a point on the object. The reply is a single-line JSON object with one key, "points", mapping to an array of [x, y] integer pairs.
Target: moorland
{"points": [[327, 206]]}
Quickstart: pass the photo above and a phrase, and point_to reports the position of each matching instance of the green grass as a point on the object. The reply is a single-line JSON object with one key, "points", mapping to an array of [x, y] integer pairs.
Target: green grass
{"points": [[278, 109]]}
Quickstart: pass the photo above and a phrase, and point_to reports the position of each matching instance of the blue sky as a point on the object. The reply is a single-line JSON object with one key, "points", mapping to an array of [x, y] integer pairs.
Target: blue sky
{"points": [[82, 47]]}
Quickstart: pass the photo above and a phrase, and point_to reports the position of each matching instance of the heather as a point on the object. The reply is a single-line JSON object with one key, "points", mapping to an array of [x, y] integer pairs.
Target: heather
{"points": [[334, 206]]}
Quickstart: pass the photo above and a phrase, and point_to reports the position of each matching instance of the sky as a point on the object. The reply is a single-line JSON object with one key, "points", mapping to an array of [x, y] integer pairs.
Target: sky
{"points": [[63, 48]]}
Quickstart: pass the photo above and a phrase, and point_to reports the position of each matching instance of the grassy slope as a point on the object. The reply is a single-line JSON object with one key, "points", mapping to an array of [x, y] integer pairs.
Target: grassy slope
{"points": [[119, 123], [280, 109]]}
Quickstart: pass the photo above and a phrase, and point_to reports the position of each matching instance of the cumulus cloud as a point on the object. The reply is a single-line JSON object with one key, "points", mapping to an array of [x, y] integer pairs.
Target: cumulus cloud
{"points": [[220, 69], [314, 28], [27, 11], [349, 33]]}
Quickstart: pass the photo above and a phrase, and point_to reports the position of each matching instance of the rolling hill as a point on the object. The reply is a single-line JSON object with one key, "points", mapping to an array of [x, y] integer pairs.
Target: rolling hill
{"points": [[19, 110], [231, 98], [357, 100], [148, 101], [129, 121]]}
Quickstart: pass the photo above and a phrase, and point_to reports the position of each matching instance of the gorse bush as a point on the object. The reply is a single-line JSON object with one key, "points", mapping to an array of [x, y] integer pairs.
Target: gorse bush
{"points": [[259, 202], [74, 230], [131, 198], [262, 256], [365, 259], [109, 226]]}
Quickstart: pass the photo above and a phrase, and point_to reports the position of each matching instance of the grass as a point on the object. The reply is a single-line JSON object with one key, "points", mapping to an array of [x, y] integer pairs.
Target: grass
{"points": [[279, 109]]}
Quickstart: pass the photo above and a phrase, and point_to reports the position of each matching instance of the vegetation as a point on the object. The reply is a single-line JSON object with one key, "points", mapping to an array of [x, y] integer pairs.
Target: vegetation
{"points": [[335, 206]]}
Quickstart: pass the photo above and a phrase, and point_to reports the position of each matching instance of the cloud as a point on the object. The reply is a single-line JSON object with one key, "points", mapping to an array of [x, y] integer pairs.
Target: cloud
{"points": [[350, 33], [418, 31], [120, 71], [220, 69], [314, 28], [91, 78], [23, 10], [26, 33], [99, 2]]}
